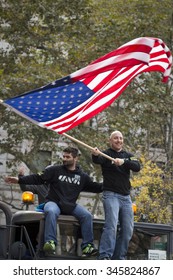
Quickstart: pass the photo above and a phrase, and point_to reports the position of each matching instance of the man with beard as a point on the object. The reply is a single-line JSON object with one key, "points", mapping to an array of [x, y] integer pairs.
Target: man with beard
{"points": [[65, 182]]}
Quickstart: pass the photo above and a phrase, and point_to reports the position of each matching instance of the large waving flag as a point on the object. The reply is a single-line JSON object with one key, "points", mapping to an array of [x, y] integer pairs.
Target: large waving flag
{"points": [[67, 102]]}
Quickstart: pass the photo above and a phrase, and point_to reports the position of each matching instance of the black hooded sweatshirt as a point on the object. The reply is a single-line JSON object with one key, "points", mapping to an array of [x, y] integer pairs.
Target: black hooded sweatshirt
{"points": [[64, 185]]}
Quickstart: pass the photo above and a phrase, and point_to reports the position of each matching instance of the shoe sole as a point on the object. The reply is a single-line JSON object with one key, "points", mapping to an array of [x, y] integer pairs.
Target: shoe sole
{"points": [[90, 255]]}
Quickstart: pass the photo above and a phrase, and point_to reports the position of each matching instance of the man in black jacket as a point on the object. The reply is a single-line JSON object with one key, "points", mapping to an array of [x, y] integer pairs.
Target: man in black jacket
{"points": [[65, 182], [116, 197]]}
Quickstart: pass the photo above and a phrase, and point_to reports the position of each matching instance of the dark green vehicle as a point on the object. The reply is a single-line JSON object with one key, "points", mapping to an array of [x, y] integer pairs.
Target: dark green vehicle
{"points": [[21, 237]]}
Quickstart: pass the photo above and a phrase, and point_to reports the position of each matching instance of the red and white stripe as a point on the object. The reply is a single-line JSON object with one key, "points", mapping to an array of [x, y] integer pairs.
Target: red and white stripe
{"points": [[109, 75]]}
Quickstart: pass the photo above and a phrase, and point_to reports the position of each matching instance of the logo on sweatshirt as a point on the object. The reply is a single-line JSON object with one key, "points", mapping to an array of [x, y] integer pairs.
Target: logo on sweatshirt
{"points": [[71, 180]]}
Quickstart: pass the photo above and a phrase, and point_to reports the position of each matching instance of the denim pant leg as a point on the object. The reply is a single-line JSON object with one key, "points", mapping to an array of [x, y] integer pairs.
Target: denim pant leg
{"points": [[126, 220], [86, 222], [108, 238], [52, 211]]}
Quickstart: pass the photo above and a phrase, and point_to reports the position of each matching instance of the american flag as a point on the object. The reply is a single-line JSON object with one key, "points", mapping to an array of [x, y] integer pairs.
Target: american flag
{"points": [[69, 101]]}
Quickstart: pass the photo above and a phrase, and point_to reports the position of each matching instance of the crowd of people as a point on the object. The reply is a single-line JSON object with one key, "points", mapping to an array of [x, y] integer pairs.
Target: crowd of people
{"points": [[59, 186]]}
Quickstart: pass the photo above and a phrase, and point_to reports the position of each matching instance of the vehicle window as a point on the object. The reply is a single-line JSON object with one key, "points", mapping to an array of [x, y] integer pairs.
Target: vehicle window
{"points": [[147, 245]]}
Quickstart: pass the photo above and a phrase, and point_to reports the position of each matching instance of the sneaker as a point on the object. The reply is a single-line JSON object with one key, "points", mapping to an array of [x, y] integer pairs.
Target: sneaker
{"points": [[49, 247], [89, 251]]}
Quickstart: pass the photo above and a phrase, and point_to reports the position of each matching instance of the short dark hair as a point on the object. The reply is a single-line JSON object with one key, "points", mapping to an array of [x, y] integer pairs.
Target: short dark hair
{"points": [[71, 150]]}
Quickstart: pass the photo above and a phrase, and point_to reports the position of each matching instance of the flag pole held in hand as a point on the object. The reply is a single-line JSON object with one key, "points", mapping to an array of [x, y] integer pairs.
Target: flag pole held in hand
{"points": [[87, 146]]}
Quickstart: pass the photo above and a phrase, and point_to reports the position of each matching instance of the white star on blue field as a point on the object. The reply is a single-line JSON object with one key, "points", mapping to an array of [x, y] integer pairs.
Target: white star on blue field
{"points": [[51, 101]]}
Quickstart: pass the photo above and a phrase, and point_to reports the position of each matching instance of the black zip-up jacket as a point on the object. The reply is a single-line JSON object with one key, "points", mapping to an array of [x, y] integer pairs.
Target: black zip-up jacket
{"points": [[117, 178], [64, 185]]}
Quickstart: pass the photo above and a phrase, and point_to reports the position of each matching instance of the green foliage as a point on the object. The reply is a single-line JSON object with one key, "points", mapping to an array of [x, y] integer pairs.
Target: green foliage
{"points": [[153, 193]]}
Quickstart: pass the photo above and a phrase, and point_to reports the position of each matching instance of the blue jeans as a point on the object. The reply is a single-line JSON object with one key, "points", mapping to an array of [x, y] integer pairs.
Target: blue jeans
{"points": [[52, 211], [118, 209]]}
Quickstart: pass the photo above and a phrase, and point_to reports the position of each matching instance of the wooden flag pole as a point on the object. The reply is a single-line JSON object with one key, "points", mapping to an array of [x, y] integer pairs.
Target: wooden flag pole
{"points": [[87, 146]]}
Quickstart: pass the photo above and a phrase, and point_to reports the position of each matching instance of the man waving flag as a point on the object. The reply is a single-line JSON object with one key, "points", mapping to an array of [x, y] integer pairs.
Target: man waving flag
{"points": [[69, 101]]}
